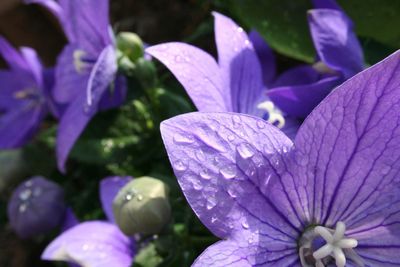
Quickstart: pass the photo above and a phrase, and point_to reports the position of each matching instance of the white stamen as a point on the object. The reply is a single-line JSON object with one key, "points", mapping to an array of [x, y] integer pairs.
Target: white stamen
{"points": [[321, 67], [78, 62], [335, 243], [274, 114]]}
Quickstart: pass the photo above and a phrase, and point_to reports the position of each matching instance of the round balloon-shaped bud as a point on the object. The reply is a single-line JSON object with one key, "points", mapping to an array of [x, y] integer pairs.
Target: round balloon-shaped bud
{"points": [[36, 207], [142, 206], [130, 45]]}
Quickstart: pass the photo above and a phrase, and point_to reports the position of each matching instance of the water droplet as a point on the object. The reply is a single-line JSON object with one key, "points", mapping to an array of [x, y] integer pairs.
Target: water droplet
{"points": [[385, 170], [85, 247], [240, 29], [139, 197], [22, 208], [231, 137], [25, 195], [245, 150], [211, 203], [228, 172], [28, 183], [245, 225], [200, 155], [128, 196], [214, 219], [232, 192], [37, 192], [183, 139], [179, 166], [197, 184], [236, 121], [179, 59], [260, 124], [302, 160], [205, 174]]}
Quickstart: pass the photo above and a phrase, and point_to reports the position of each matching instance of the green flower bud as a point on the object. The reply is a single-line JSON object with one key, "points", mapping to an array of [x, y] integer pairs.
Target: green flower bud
{"points": [[142, 206], [130, 45]]}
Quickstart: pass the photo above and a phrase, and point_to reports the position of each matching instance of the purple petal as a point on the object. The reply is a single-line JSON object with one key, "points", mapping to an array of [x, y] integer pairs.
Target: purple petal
{"points": [[11, 55], [70, 220], [69, 82], [239, 64], [299, 75], [116, 96], [33, 63], [94, 244], [228, 253], [36, 207], [265, 56], [348, 151], [11, 82], [197, 71], [87, 23], [80, 112], [299, 101], [18, 125], [335, 41], [226, 164], [109, 188]]}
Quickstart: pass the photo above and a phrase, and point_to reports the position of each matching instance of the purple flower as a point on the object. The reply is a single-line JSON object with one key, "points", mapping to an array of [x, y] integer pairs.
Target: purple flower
{"points": [[95, 243], [331, 196], [339, 56], [86, 77], [36, 207], [23, 95]]}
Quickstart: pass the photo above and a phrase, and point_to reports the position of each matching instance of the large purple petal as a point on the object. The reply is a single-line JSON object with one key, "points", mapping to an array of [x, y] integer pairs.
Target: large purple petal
{"points": [[69, 81], [336, 43], [80, 112], [197, 71], [265, 56], [226, 165], [32, 61], [241, 70], [229, 253], [87, 23], [109, 188], [299, 101], [11, 55], [92, 244], [17, 126], [348, 160]]}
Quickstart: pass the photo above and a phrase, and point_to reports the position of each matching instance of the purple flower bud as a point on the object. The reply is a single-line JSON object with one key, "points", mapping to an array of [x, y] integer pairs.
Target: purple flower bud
{"points": [[36, 206]]}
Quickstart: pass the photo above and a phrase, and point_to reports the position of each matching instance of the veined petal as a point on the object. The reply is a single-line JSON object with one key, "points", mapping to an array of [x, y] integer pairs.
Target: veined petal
{"points": [[348, 156], [197, 71], [228, 167], [300, 100], [69, 81], [109, 188], [85, 106], [265, 56], [86, 23], [335, 41], [241, 70], [92, 244], [232, 254]]}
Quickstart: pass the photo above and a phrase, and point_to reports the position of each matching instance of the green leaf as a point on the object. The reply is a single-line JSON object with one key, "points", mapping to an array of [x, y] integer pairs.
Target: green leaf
{"points": [[283, 23], [148, 257], [379, 20]]}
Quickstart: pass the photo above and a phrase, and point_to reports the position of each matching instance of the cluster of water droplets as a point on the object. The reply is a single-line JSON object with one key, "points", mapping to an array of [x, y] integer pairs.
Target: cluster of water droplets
{"points": [[133, 194], [27, 194]]}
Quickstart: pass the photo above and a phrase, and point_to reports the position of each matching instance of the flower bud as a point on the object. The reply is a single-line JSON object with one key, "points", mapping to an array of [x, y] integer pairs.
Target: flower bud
{"points": [[130, 45], [142, 206], [36, 207]]}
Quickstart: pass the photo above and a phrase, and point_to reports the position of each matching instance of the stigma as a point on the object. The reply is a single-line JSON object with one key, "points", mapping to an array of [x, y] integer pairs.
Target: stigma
{"points": [[275, 116], [79, 61], [336, 242]]}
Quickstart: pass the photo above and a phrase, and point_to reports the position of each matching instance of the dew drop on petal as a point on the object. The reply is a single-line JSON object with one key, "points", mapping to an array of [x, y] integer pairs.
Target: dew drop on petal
{"points": [[183, 139], [228, 172], [231, 137], [205, 174], [232, 192], [179, 165], [245, 150], [22, 208], [385, 169], [200, 155], [25, 195], [211, 203], [197, 184], [236, 121], [260, 124], [245, 225]]}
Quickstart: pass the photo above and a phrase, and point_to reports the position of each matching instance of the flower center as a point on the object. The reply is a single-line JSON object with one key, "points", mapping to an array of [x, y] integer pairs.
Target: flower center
{"points": [[322, 246], [275, 116], [81, 62]]}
